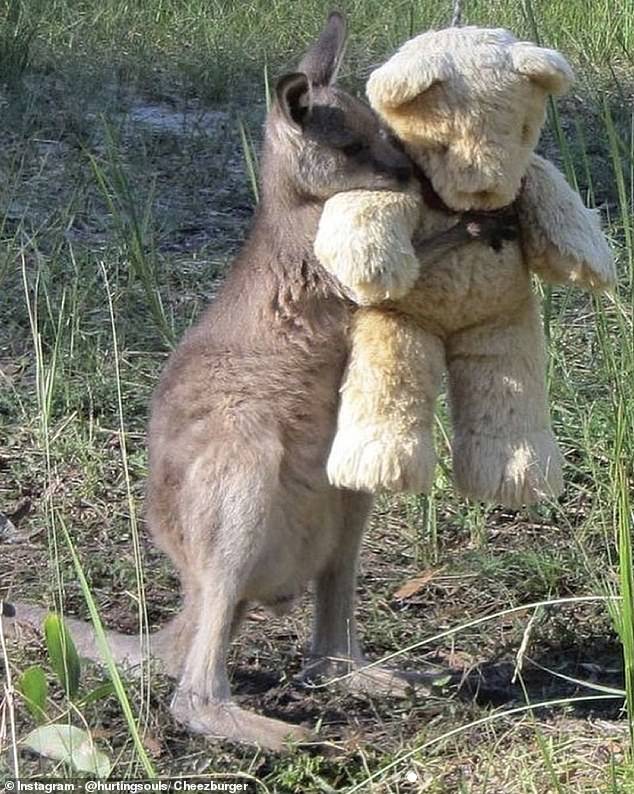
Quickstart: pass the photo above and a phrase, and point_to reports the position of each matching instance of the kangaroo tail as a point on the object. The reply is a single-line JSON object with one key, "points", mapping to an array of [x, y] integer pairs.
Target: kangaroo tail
{"points": [[127, 650]]}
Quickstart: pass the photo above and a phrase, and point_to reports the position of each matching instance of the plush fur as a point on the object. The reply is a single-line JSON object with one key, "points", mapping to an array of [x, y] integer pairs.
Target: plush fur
{"points": [[376, 241], [468, 104]]}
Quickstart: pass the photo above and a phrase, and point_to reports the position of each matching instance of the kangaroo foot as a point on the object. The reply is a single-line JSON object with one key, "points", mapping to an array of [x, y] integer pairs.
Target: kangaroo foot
{"points": [[357, 676], [226, 720]]}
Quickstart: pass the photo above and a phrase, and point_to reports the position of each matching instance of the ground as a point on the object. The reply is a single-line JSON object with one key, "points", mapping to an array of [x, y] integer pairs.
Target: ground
{"points": [[128, 142]]}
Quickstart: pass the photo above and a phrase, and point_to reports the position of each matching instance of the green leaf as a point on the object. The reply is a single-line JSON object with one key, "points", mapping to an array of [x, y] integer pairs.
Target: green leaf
{"points": [[70, 745], [63, 654], [100, 692], [442, 681], [33, 686]]}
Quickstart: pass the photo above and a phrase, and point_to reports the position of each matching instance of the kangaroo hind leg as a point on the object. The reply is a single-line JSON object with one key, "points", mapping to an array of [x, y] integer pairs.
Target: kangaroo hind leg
{"points": [[228, 520]]}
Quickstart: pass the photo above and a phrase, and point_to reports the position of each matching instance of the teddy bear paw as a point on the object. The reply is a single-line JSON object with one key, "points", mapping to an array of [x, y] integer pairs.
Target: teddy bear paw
{"points": [[385, 284], [372, 458], [508, 471]]}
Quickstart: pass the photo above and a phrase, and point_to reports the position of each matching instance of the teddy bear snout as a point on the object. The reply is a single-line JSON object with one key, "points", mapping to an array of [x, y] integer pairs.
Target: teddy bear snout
{"points": [[476, 172], [481, 180]]}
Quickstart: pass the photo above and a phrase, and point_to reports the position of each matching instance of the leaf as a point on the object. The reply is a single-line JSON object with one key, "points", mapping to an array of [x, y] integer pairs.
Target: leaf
{"points": [[442, 681], [34, 688], [414, 586], [89, 759], [63, 654], [100, 692], [71, 745]]}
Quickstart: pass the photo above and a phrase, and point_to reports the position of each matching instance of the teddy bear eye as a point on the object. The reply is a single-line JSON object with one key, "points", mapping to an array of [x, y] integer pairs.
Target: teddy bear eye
{"points": [[526, 133]]}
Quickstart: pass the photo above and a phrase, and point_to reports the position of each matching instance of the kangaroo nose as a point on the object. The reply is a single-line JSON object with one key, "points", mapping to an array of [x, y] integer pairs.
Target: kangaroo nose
{"points": [[403, 173], [392, 162], [400, 166]]}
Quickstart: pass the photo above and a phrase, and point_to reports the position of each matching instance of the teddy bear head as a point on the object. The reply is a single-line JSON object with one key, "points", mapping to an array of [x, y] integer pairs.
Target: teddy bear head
{"points": [[468, 104]]}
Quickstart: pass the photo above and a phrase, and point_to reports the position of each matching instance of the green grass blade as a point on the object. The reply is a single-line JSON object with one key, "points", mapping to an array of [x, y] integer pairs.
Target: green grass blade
{"points": [[111, 665], [250, 159]]}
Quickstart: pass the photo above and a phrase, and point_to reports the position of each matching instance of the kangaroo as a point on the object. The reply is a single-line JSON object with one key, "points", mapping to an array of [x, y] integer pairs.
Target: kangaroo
{"points": [[245, 412]]}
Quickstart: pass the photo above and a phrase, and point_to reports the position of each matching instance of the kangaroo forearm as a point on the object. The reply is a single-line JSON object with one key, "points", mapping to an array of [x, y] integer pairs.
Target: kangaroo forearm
{"points": [[428, 249]]}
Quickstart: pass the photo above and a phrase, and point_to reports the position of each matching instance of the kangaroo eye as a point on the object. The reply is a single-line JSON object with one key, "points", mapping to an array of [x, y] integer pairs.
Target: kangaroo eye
{"points": [[355, 147]]}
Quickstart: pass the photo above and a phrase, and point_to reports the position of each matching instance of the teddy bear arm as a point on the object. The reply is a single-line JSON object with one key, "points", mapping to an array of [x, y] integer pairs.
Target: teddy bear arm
{"points": [[364, 239], [561, 238]]}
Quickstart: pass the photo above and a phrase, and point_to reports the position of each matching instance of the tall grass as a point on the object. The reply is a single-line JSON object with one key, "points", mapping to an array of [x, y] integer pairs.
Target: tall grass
{"points": [[617, 342], [111, 665], [144, 631], [48, 376], [227, 43], [19, 23], [134, 230]]}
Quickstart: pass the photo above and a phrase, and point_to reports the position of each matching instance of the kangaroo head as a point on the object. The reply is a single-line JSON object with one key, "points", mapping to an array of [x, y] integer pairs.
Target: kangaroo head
{"points": [[320, 138]]}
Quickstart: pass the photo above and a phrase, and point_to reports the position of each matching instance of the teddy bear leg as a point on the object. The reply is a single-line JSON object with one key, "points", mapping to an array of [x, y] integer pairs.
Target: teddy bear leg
{"points": [[504, 450], [384, 434]]}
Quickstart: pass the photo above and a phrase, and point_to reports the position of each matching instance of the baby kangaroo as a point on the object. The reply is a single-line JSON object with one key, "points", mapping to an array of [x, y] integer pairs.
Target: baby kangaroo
{"points": [[245, 412]]}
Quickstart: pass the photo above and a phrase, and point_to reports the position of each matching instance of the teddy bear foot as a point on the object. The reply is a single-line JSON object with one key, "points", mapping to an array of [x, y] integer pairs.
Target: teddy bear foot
{"points": [[510, 472], [372, 458]]}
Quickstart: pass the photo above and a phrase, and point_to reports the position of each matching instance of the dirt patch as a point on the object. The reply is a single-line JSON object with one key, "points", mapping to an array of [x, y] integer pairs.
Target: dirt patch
{"points": [[162, 118]]}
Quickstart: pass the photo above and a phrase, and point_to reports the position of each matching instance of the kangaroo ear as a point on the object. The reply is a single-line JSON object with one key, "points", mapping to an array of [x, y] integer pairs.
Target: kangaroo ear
{"points": [[405, 76], [294, 98], [548, 68], [322, 61]]}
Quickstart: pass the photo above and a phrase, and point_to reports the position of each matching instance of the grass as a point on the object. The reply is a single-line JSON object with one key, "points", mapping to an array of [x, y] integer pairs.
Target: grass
{"points": [[128, 156]]}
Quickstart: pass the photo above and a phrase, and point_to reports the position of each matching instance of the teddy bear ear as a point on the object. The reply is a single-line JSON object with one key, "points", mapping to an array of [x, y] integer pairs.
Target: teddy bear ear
{"points": [[547, 68], [405, 77]]}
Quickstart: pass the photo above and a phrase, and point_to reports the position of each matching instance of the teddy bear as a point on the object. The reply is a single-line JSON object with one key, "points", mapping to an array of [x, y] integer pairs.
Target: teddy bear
{"points": [[468, 105]]}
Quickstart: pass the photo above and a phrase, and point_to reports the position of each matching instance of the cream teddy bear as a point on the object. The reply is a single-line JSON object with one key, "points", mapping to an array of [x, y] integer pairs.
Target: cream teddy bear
{"points": [[468, 105]]}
